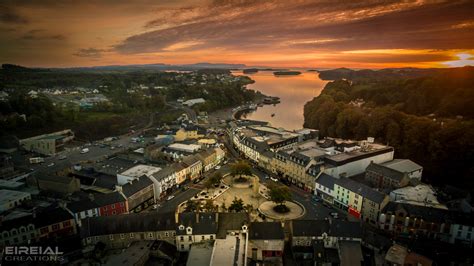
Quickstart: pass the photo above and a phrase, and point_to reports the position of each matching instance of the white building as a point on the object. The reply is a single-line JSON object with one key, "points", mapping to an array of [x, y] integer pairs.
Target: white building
{"points": [[355, 161], [10, 199], [192, 102], [135, 172], [189, 148]]}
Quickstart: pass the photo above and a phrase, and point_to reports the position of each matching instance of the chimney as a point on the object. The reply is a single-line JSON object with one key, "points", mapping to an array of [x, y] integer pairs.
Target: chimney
{"points": [[197, 217], [217, 217]]}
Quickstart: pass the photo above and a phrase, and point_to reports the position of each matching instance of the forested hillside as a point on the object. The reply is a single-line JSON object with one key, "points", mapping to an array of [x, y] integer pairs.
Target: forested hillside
{"points": [[429, 118]]}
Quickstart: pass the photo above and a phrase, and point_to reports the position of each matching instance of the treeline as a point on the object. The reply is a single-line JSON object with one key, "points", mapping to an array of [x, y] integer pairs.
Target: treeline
{"points": [[394, 111]]}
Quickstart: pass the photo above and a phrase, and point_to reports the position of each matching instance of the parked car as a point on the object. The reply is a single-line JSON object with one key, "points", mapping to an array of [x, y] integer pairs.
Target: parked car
{"points": [[217, 167], [51, 164], [156, 206], [62, 157], [170, 197], [86, 150], [335, 215], [274, 179]]}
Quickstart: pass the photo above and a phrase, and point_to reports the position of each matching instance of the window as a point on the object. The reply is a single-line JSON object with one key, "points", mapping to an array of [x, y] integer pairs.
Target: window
{"points": [[181, 238], [44, 230], [190, 238], [182, 246], [113, 206], [132, 235], [55, 227], [121, 204], [122, 236], [212, 237], [66, 223], [203, 237], [111, 237], [167, 234]]}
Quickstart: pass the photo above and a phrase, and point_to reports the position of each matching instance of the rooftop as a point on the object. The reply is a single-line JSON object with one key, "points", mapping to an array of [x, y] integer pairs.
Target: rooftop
{"points": [[128, 223], [200, 254], [140, 170], [310, 227], [266, 231], [422, 194], [403, 165]]}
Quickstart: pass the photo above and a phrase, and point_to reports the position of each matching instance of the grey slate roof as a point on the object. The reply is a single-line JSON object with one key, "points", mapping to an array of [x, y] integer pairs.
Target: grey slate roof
{"points": [[136, 185], [231, 221], [163, 173], [341, 228], [403, 165], [128, 223], [361, 189], [82, 205], [266, 231], [202, 223], [109, 198], [310, 227], [326, 180]]}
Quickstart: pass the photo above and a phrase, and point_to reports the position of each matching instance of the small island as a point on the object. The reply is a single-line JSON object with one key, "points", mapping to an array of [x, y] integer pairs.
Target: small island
{"points": [[250, 71], [286, 73]]}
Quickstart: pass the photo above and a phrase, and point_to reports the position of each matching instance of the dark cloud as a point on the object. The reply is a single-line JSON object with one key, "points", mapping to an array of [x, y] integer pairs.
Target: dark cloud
{"points": [[9, 16], [308, 25], [40, 34], [89, 52]]}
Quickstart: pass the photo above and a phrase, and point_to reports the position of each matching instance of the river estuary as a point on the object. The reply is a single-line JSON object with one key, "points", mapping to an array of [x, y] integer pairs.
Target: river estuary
{"points": [[294, 92]]}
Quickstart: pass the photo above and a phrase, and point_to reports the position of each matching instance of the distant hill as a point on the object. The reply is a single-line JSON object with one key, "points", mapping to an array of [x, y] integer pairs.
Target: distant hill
{"points": [[156, 67], [346, 73]]}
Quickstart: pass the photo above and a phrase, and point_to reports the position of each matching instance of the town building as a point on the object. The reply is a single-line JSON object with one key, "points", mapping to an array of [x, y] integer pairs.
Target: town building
{"points": [[135, 172], [165, 181], [304, 232], [409, 220], [180, 171], [413, 170], [113, 203], [63, 185], [397, 173], [83, 209], [188, 131], [17, 231], [266, 242], [47, 144], [194, 228], [139, 193], [345, 160], [53, 223], [119, 231], [193, 167], [422, 194], [10, 199], [324, 186]]}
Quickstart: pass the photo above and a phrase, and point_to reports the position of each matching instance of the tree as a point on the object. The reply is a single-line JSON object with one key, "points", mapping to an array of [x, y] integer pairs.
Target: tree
{"points": [[279, 194], [192, 206], [209, 206], [237, 205], [240, 168], [213, 180]]}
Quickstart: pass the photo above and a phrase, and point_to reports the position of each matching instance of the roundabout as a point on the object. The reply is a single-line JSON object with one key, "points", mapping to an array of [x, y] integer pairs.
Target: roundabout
{"points": [[295, 210]]}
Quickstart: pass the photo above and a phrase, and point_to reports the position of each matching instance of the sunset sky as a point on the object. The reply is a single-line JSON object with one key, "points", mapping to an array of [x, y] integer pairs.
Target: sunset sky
{"points": [[324, 34]]}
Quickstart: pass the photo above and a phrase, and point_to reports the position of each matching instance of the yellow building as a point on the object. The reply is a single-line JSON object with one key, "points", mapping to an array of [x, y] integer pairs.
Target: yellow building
{"points": [[189, 132]]}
